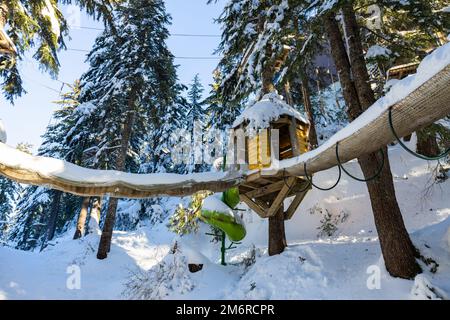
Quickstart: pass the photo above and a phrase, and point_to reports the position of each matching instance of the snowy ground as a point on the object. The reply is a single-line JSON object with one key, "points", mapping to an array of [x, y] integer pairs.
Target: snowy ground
{"points": [[315, 266]]}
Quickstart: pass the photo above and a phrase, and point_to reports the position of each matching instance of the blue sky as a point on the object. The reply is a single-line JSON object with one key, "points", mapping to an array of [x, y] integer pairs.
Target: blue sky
{"points": [[27, 119]]}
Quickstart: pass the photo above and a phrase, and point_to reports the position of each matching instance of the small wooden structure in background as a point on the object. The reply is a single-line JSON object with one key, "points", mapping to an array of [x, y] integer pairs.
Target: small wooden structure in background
{"points": [[284, 136], [401, 71]]}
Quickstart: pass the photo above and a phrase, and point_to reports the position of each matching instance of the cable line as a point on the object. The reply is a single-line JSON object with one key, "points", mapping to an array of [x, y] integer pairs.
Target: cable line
{"points": [[356, 178], [440, 156], [320, 188]]}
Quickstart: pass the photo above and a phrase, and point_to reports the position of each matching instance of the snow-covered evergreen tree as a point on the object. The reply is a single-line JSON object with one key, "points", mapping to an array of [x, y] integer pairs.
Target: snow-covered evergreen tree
{"points": [[195, 125], [128, 91], [42, 213], [9, 190]]}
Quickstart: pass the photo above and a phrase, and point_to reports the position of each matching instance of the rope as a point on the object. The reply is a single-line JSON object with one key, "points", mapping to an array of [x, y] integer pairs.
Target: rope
{"points": [[356, 178], [440, 156], [320, 188]]}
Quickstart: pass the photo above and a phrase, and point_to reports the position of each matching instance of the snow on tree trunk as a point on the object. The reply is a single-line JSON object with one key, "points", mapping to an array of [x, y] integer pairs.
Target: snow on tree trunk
{"points": [[81, 222], [53, 214], [94, 217]]}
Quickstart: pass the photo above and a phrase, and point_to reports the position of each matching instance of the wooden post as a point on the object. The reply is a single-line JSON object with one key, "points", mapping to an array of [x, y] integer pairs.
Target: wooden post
{"points": [[277, 236]]}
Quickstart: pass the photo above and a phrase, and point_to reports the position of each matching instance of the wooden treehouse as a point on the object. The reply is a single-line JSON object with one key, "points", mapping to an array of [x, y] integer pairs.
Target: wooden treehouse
{"points": [[265, 133]]}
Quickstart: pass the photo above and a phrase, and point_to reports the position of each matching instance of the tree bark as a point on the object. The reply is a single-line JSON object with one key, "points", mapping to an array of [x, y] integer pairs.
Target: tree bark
{"points": [[312, 136], [398, 251], [426, 143], [105, 240], [342, 65], [81, 222], [53, 215], [277, 235], [356, 55], [51, 225]]}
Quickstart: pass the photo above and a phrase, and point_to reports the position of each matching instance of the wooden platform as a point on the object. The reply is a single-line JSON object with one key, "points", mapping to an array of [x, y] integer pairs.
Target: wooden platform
{"points": [[265, 194]]}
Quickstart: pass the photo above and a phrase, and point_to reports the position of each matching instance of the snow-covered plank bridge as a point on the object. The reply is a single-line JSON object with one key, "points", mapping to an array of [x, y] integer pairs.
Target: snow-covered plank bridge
{"points": [[416, 101]]}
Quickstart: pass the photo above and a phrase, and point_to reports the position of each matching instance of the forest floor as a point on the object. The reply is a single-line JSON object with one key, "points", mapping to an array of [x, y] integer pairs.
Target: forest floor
{"points": [[333, 252]]}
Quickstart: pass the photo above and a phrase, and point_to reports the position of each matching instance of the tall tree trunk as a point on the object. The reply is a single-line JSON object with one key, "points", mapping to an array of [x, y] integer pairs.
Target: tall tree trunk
{"points": [[81, 222], [356, 55], [398, 251], [54, 215], [277, 234], [312, 137], [426, 143], [105, 240], [51, 225]]}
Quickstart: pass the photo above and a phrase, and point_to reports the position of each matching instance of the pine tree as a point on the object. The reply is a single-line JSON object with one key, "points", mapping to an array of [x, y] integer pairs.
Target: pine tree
{"points": [[127, 92], [398, 252], [9, 191], [195, 125], [405, 32], [40, 25], [256, 40], [220, 115]]}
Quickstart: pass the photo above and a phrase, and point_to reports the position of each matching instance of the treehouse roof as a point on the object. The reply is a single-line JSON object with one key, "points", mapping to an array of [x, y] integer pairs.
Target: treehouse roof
{"points": [[270, 108]]}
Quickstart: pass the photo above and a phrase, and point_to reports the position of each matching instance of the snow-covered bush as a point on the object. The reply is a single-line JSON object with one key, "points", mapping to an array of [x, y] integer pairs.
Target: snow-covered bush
{"points": [[169, 277], [329, 222], [423, 289]]}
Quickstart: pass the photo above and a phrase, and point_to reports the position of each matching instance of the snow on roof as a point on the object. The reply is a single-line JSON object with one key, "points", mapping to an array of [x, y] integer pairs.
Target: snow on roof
{"points": [[270, 108], [50, 167]]}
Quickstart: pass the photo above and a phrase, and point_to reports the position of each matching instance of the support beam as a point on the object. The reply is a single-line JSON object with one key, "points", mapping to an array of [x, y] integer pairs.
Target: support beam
{"points": [[295, 203], [276, 204], [262, 191], [252, 205]]}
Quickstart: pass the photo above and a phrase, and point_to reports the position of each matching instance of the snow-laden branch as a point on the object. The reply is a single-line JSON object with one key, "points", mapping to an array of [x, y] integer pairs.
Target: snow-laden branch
{"points": [[71, 178]]}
